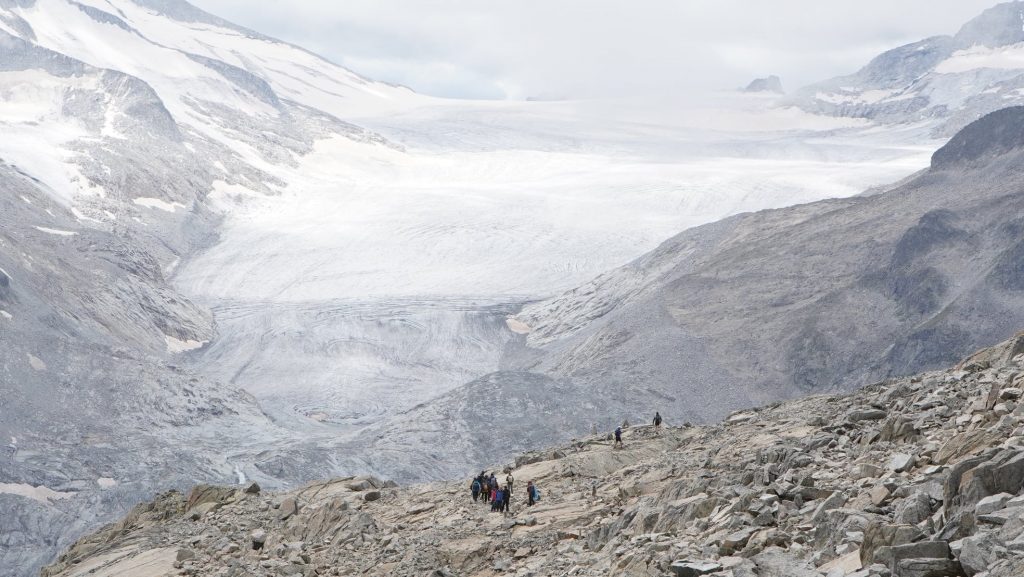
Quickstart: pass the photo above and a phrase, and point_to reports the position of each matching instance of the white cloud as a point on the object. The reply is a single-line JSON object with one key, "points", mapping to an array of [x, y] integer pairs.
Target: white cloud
{"points": [[589, 48]]}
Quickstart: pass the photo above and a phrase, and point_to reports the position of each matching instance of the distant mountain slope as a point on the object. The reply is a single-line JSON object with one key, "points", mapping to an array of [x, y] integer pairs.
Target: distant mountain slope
{"points": [[818, 297], [948, 80]]}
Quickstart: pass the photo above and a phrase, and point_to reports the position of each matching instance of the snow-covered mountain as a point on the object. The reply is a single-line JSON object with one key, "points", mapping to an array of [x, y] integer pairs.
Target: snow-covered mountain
{"points": [[949, 81], [224, 257]]}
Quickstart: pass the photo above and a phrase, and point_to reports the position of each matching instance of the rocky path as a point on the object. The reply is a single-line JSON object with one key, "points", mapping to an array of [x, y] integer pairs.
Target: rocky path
{"points": [[919, 477]]}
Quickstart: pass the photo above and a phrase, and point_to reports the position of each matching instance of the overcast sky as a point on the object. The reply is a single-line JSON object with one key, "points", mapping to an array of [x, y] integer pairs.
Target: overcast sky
{"points": [[596, 48]]}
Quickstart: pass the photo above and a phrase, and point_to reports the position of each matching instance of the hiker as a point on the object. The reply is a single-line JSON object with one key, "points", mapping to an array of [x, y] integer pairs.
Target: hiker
{"points": [[475, 488], [12, 448], [494, 495], [657, 422], [499, 500], [509, 480], [485, 487], [618, 437], [507, 502], [532, 493]]}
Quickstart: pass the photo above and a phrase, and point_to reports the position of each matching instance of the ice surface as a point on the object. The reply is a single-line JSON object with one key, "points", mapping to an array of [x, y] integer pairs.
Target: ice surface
{"points": [[380, 277]]}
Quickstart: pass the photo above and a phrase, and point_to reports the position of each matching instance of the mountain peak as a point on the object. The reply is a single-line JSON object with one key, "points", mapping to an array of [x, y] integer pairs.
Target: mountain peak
{"points": [[1001, 25]]}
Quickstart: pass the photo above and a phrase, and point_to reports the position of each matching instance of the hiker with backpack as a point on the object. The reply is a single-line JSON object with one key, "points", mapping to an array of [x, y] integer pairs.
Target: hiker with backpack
{"points": [[499, 500], [618, 437], [532, 494], [475, 487], [657, 422], [509, 480], [507, 503], [485, 489]]}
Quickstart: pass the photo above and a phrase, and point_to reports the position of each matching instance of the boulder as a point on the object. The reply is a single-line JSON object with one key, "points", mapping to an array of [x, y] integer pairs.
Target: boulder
{"points": [[866, 471], [901, 462], [1004, 473], [693, 568], [858, 415], [258, 538], [201, 494], [992, 503], [962, 445], [253, 489], [289, 507], [878, 535], [737, 540], [977, 553], [835, 501], [920, 550], [880, 495], [914, 509], [926, 568]]}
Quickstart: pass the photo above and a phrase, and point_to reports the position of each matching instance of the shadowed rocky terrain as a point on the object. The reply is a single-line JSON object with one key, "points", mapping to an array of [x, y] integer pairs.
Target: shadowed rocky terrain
{"points": [[914, 477]]}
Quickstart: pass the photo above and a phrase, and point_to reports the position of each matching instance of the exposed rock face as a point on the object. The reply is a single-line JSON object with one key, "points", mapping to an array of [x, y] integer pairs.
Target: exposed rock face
{"points": [[770, 491], [988, 138], [768, 84], [947, 80]]}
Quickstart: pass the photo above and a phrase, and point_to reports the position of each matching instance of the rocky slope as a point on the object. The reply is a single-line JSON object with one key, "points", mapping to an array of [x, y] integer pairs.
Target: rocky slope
{"points": [[948, 81], [911, 477]]}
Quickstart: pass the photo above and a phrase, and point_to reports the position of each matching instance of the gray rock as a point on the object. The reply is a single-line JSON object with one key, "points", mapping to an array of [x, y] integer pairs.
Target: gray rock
{"points": [[992, 503], [977, 553], [926, 568], [902, 462], [693, 568], [288, 508], [866, 415]]}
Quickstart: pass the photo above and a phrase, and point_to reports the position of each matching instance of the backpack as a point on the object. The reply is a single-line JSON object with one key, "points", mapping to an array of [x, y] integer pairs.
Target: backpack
{"points": [[536, 494], [476, 486]]}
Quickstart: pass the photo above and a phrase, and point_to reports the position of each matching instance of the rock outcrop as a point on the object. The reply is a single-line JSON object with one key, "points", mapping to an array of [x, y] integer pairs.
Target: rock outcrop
{"points": [[771, 84], [907, 478]]}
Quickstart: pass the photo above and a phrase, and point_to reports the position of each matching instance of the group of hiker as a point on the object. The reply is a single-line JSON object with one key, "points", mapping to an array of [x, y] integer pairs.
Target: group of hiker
{"points": [[486, 489]]}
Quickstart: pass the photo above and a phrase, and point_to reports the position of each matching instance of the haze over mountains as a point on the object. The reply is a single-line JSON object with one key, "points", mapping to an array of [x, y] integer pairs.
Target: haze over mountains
{"points": [[223, 257]]}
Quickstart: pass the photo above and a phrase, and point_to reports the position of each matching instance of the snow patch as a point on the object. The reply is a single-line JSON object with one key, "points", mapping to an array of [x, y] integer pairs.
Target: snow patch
{"points": [[81, 216], [106, 482], [158, 204], [517, 326], [55, 231], [41, 493], [6, 315], [36, 362], [1002, 58], [175, 346]]}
